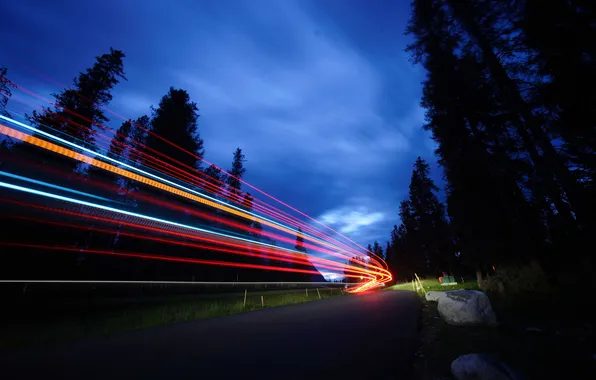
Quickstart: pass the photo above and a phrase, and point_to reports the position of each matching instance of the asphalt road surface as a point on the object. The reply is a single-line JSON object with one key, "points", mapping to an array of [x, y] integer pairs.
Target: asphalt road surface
{"points": [[367, 336]]}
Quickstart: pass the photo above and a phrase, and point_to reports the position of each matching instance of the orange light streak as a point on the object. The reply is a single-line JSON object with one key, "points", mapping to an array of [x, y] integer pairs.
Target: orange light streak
{"points": [[127, 174]]}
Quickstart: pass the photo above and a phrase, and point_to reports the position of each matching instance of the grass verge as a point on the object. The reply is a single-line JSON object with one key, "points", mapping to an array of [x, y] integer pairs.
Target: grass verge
{"points": [[540, 338], [43, 323], [434, 285]]}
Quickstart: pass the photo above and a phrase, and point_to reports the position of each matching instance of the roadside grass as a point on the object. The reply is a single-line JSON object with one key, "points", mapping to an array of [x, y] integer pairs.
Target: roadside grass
{"points": [[537, 337], [434, 285], [46, 325], [522, 341]]}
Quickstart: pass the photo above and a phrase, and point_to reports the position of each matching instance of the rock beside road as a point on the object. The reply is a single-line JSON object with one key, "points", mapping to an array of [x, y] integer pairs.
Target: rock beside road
{"points": [[433, 296], [481, 367], [466, 308]]}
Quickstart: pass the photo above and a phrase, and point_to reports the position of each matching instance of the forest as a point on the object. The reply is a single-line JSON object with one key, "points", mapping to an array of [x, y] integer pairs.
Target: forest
{"points": [[48, 241], [509, 99]]}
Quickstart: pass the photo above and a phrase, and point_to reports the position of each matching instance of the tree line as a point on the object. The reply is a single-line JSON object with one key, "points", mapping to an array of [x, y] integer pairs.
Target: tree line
{"points": [[509, 99], [165, 141]]}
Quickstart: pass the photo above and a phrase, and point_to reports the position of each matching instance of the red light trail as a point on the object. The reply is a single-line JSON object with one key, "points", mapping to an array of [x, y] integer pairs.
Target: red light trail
{"points": [[151, 182], [174, 171], [278, 256], [160, 257], [161, 166], [376, 259], [326, 252]]}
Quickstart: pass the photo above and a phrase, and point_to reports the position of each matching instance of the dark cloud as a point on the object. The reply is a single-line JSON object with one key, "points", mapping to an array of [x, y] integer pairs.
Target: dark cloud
{"points": [[320, 96]]}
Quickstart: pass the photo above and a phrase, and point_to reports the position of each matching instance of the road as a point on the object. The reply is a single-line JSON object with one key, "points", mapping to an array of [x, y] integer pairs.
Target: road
{"points": [[366, 336]]}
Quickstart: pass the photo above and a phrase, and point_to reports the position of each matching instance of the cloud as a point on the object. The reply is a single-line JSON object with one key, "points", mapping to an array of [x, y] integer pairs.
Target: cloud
{"points": [[306, 109], [413, 120], [318, 110], [23, 103], [134, 103], [362, 219], [324, 105], [350, 220]]}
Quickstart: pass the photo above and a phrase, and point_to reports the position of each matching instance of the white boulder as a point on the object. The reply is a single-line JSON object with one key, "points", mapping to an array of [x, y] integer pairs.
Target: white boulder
{"points": [[433, 296], [481, 367], [466, 308]]}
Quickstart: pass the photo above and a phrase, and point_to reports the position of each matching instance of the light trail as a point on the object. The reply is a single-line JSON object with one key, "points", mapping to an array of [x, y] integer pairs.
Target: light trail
{"points": [[163, 258], [376, 273], [195, 213], [340, 284], [128, 213], [186, 192], [380, 261], [146, 158], [161, 220], [255, 188], [373, 274], [265, 254], [306, 227], [25, 179], [124, 173]]}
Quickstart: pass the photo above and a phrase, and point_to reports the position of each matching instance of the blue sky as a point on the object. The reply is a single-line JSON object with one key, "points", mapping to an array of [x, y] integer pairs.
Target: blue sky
{"points": [[320, 94]]}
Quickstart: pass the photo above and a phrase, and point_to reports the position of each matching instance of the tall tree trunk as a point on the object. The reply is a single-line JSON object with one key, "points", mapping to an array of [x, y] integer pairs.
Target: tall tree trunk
{"points": [[527, 121], [515, 214]]}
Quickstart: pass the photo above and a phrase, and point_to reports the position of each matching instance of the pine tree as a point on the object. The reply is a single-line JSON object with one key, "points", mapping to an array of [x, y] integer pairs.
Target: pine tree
{"points": [[128, 141], [429, 221], [75, 116], [245, 201], [134, 146], [79, 110], [390, 259], [216, 178], [503, 178], [461, 156], [300, 242], [121, 149], [377, 250], [406, 242], [236, 173], [550, 164], [117, 148], [354, 262], [5, 93], [174, 132], [547, 28], [422, 243], [388, 252], [246, 204], [116, 151], [302, 249], [138, 138], [257, 235], [252, 230], [171, 136]]}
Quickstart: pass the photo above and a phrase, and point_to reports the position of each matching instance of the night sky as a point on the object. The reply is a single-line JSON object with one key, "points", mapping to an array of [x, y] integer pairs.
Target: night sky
{"points": [[320, 94]]}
